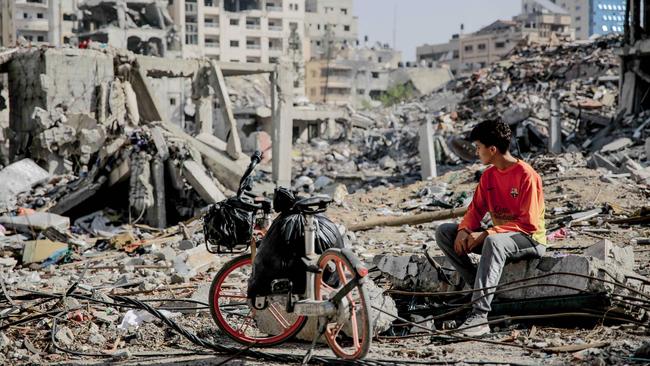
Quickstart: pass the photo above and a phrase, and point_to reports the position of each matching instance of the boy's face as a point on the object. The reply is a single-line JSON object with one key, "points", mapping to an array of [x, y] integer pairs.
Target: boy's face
{"points": [[485, 153]]}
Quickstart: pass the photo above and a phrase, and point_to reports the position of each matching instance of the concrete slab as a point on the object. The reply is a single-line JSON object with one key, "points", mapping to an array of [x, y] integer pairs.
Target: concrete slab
{"points": [[221, 90], [37, 221], [17, 178], [200, 181]]}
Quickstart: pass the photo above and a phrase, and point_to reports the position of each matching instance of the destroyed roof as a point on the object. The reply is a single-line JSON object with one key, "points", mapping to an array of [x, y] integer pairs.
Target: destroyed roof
{"points": [[497, 25]]}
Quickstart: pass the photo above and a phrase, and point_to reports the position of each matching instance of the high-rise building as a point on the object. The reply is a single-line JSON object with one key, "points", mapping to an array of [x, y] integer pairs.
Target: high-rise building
{"points": [[330, 24], [240, 30], [37, 21], [588, 17]]}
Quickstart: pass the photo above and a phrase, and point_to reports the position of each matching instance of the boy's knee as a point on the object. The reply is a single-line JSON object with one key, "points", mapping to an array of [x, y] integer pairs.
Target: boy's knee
{"points": [[446, 234]]}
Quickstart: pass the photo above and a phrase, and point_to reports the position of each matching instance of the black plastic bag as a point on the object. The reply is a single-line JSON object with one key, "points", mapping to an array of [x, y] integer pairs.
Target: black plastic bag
{"points": [[228, 223], [279, 255]]}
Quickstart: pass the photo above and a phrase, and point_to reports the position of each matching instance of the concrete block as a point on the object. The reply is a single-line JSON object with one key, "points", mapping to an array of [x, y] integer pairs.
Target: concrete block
{"points": [[37, 221], [200, 181], [599, 161], [194, 261], [618, 144], [609, 253], [415, 273], [17, 178]]}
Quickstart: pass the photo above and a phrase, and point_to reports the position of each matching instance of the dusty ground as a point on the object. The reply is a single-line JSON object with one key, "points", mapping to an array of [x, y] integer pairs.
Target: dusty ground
{"points": [[581, 187]]}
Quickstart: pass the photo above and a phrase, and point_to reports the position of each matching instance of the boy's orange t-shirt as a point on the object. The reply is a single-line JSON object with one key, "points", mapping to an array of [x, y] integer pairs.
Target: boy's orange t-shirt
{"points": [[514, 199]]}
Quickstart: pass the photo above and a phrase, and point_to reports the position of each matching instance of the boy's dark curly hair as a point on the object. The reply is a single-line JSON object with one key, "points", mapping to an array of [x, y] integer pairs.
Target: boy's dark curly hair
{"points": [[492, 133]]}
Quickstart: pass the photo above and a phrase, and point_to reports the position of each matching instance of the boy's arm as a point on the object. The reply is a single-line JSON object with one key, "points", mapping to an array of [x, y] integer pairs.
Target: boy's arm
{"points": [[476, 210], [529, 220]]}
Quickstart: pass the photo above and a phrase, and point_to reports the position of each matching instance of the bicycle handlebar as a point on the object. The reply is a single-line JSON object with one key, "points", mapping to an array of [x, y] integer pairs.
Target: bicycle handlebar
{"points": [[245, 182]]}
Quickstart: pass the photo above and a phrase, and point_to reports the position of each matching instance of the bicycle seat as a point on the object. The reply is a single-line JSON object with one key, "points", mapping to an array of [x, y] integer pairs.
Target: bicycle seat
{"points": [[312, 205]]}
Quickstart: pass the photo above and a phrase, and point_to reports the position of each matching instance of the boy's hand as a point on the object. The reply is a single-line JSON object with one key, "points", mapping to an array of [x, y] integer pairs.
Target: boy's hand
{"points": [[475, 239], [460, 243]]}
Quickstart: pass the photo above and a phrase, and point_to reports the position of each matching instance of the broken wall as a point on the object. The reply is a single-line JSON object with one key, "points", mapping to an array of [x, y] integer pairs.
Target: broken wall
{"points": [[54, 78]]}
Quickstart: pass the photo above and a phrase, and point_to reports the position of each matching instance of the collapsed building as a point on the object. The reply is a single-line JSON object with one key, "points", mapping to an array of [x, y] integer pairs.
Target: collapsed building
{"points": [[141, 26], [95, 117]]}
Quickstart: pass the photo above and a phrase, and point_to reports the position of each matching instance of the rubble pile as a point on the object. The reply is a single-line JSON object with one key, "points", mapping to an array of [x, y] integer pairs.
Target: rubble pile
{"points": [[380, 145]]}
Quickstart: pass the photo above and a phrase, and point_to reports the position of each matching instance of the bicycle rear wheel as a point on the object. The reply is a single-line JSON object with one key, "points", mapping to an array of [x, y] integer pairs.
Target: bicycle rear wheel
{"points": [[230, 309], [348, 333]]}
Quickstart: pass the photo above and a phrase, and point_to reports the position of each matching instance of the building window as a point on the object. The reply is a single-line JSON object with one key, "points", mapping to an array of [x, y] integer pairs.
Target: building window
{"points": [[499, 44], [172, 101], [361, 91], [234, 21], [469, 48], [344, 11], [604, 28], [578, 29], [234, 43], [578, 19], [25, 16], [481, 46], [39, 15], [577, 7], [210, 2], [317, 43], [40, 39], [375, 75], [318, 26], [346, 28], [273, 60]]}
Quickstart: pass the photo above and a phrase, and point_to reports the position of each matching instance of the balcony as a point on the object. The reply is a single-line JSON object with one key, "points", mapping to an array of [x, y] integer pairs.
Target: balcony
{"points": [[40, 25], [253, 23]]}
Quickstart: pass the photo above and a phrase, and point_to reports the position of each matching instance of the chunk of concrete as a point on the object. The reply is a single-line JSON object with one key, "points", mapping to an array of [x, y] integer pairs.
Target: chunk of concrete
{"points": [[19, 177], [618, 144], [36, 221], [599, 161], [194, 261], [415, 273], [607, 252], [201, 183]]}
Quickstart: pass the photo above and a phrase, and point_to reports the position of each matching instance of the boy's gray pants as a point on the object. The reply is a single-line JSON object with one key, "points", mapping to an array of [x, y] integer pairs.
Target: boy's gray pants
{"points": [[496, 251]]}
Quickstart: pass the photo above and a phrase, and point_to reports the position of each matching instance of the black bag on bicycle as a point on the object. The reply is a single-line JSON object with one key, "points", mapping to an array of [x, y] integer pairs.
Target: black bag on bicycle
{"points": [[279, 255], [228, 224]]}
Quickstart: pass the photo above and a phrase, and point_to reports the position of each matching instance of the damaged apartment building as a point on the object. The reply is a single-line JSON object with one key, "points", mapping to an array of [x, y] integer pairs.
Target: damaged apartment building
{"points": [[541, 21], [141, 26], [37, 22]]}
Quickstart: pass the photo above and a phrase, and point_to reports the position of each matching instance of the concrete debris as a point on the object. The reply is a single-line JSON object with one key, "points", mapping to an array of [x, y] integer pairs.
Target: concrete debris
{"points": [[17, 178]]}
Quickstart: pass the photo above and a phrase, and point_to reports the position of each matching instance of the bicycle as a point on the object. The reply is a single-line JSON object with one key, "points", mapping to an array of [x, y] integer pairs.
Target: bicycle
{"points": [[333, 293]]}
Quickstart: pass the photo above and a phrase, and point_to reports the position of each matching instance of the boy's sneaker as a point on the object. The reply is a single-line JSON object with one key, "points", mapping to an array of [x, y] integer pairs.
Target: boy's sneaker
{"points": [[475, 326]]}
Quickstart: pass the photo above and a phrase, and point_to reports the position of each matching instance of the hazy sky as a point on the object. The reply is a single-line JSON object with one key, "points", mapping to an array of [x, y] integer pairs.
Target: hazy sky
{"points": [[427, 21]]}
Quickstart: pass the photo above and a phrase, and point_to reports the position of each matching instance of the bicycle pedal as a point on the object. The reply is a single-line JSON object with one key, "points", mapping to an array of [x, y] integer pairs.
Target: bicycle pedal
{"points": [[281, 286]]}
